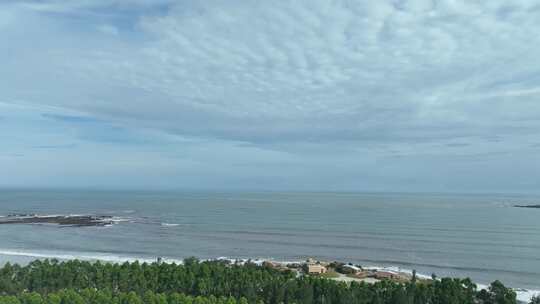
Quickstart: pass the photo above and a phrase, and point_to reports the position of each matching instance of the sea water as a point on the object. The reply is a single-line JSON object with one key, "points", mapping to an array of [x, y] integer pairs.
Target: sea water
{"points": [[478, 236]]}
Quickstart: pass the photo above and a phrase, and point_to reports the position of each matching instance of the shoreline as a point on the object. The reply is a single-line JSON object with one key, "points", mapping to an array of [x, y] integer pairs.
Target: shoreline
{"points": [[24, 257]]}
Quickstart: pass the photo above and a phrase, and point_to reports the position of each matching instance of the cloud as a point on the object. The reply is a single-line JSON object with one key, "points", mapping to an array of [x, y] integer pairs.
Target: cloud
{"points": [[70, 118], [328, 80], [69, 146], [82, 5], [457, 145], [6, 18], [108, 29], [294, 71]]}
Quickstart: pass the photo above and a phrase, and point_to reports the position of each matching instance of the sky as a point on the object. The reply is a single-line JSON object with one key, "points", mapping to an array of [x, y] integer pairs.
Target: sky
{"points": [[318, 95]]}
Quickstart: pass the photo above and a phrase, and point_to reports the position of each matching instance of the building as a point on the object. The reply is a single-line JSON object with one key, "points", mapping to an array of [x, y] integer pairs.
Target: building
{"points": [[316, 269]]}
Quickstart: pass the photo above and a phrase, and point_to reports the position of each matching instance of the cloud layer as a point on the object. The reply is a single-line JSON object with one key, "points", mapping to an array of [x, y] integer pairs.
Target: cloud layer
{"points": [[360, 93]]}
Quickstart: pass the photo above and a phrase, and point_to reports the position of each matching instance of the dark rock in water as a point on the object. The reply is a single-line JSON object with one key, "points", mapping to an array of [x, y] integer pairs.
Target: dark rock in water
{"points": [[62, 220], [527, 206]]}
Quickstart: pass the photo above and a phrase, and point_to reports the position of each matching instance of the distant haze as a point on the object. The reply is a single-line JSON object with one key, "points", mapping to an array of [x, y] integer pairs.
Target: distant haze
{"points": [[271, 95]]}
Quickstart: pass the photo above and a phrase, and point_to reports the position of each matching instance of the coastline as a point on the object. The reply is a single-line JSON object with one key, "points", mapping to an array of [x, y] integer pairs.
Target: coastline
{"points": [[25, 257]]}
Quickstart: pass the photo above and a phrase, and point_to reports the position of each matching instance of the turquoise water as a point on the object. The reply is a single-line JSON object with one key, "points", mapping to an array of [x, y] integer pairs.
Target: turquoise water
{"points": [[479, 236]]}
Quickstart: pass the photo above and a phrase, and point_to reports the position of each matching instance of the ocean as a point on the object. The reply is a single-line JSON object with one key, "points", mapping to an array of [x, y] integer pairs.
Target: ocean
{"points": [[478, 236]]}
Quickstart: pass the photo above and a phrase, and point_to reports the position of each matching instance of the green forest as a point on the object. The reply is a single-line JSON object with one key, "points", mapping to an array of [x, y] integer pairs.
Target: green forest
{"points": [[218, 282]]}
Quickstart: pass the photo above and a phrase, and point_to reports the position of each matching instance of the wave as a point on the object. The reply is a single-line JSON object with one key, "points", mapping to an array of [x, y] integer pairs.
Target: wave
{"points": [[379, 236], [91, 256], [522, 295], [525, 295], [118, 219], [401, 251], [169, 224]]}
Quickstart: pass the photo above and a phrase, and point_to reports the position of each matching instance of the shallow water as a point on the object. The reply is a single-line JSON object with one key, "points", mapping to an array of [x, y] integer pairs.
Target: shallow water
{"points": [[479, 236]]}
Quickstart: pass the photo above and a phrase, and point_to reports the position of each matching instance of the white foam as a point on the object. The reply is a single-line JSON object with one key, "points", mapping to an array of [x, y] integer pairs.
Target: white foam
{"points": [[107, 257], [169, 224], [118, 219], [522, 295], [525, 295]]}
